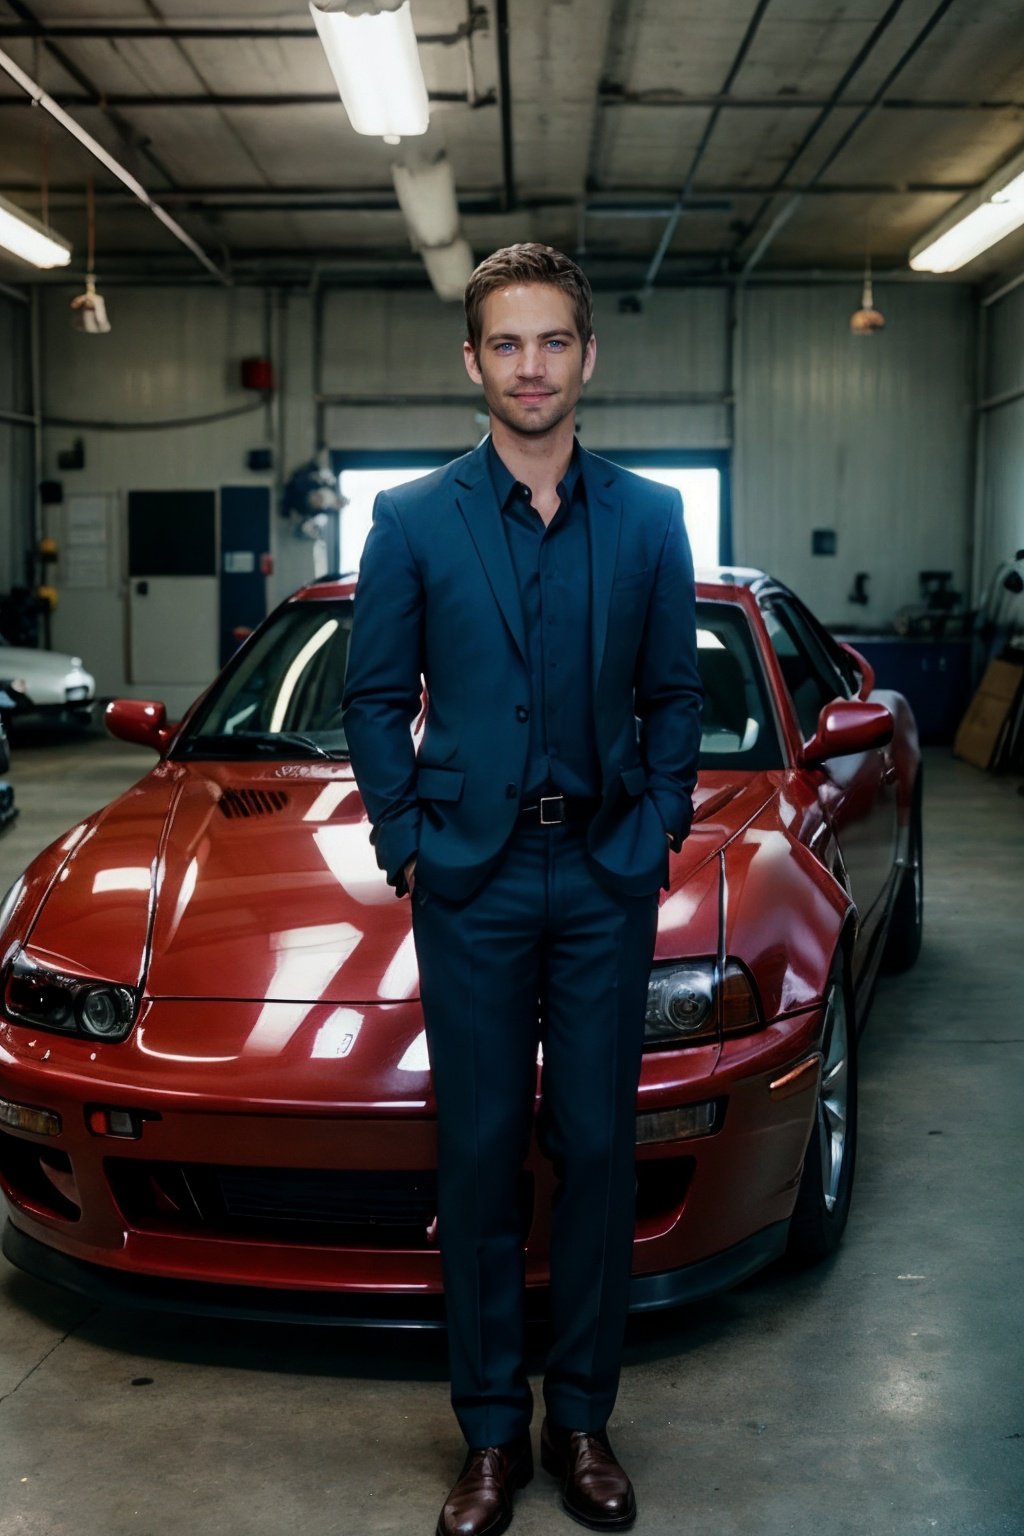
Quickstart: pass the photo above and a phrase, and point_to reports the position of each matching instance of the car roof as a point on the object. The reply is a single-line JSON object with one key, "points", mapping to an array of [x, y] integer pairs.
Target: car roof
{"points": [[719, 581]]}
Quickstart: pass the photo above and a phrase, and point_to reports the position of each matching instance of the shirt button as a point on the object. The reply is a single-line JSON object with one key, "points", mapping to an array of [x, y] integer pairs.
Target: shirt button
{"points": [[522, 713], [511, 791]]}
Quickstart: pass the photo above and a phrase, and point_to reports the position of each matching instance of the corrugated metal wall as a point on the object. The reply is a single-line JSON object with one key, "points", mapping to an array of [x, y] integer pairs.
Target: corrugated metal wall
{"points": [[869, 436], [1001, 502], [17, 450]]}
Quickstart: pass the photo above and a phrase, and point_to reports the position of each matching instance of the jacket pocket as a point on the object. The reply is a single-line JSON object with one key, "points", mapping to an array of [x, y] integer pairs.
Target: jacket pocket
{"points": [[628, 578], [439, 783], [634, 780]]}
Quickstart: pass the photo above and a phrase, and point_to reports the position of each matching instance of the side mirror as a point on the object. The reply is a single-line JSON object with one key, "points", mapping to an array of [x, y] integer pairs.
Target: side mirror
{"points": [[143, 722], [864, 667], [847, 726]]}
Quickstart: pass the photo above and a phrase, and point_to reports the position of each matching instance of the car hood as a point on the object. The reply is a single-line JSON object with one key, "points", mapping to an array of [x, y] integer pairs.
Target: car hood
{"points": [[36, 666], [237, 881]]}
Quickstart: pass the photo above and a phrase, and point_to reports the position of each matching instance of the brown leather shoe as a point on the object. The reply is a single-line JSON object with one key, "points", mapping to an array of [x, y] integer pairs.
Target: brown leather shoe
{"points": [[480, 1504], [595, 1490]]}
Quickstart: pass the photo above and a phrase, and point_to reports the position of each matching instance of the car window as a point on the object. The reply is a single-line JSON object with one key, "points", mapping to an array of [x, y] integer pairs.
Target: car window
{"points": [[737, 724], [288, 682], [810, 678]]}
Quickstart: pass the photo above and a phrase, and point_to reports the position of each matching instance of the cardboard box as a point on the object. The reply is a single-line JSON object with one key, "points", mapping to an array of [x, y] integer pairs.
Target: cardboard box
{"points": [[989, 713]]}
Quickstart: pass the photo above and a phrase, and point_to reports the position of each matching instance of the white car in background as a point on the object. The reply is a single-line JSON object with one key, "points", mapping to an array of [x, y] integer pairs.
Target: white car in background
{"points": [[45, 683]]}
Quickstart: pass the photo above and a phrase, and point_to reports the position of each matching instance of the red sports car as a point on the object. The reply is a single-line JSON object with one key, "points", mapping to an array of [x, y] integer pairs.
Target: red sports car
{"points": [[214, 1086]]}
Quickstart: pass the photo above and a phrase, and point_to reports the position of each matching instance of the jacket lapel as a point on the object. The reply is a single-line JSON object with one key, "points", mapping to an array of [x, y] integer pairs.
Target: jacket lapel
{"points": [[604, 504], [478, 505]]}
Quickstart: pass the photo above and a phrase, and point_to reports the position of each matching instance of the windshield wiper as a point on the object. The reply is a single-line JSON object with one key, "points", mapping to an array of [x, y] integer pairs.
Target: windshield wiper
{"points": [[239, 742]]}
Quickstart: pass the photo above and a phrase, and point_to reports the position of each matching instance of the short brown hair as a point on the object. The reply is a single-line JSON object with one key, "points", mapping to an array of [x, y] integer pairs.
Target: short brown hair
{"points": [[528, 263]]}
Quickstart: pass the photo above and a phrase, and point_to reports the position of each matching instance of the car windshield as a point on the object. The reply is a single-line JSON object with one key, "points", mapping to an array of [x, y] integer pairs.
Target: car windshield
{"points": [[282, 696]]}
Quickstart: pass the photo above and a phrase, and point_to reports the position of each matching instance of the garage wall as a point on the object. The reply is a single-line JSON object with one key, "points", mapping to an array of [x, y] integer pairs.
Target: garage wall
{"points": [[867, 436], [171, 354], [17, 451], [871, 438], [661, 376], [1001, 500]]}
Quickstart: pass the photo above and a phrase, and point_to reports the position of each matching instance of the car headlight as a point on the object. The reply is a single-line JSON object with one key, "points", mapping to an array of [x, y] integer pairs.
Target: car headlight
{"points": [[71, 1005], [686, 1007]]}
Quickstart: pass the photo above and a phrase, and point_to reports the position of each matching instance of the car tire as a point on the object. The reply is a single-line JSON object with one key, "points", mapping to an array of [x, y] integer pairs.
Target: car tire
{"points": [[903, 941], [826, 1183]]}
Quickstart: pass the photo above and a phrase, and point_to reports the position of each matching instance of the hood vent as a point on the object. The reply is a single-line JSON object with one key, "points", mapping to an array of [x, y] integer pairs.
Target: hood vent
{"points": [[240, 804]]}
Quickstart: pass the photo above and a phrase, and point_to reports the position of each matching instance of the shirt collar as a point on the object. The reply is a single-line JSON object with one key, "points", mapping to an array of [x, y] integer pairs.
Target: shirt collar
{"points": [[570, 489]]}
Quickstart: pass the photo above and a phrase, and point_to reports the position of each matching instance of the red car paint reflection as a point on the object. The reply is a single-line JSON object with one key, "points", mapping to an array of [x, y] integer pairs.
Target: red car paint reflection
{"points": [[262, 1138]]}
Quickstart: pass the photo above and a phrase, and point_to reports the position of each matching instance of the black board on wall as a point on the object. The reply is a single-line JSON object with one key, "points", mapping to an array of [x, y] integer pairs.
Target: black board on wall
{"points": [[172, 533]]}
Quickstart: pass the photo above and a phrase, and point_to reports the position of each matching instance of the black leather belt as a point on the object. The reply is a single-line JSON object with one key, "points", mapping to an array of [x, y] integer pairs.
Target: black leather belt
{"points": [[558, 810]]}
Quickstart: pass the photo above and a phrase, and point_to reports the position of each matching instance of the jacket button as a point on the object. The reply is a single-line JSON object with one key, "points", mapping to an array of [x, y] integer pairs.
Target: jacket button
{"points": [[511, 791], [522, 713]]}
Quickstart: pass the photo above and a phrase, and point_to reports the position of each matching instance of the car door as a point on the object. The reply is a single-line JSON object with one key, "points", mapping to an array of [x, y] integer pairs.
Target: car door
{"points": [[858, 792]]}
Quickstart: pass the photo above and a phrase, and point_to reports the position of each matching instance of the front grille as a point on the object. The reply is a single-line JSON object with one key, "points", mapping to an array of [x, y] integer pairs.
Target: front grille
{"points": [[326, 1207], [243, 803]]}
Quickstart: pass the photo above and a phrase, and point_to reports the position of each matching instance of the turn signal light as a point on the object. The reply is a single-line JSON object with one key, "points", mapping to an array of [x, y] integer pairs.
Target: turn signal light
{"points": [[25, 1117], [677, 1124]]}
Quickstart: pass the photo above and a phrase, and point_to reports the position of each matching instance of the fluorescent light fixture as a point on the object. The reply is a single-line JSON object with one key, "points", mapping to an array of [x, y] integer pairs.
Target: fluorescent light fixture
{"points": [[449, 268], [24, 236], [426, 195], [371, 48], [980, 221]]}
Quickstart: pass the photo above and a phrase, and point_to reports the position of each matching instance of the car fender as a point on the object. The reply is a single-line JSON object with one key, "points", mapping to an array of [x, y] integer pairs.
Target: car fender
{"points": [[784, 909]]}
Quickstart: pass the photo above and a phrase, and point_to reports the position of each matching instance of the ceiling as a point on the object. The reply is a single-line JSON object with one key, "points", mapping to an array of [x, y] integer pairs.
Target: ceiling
{"points": [[660, 141]]}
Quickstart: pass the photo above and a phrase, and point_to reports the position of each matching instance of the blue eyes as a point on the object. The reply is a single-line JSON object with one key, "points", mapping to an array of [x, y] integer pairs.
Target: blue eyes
{"points": [[554, 344]]}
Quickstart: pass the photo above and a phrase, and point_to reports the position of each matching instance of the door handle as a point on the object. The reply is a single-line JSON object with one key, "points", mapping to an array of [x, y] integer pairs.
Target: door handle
{"points": [[889, 772]]}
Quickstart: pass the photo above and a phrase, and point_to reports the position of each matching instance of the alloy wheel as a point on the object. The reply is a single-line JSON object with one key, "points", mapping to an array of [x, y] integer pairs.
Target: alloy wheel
{"points": [[833, 1095]]}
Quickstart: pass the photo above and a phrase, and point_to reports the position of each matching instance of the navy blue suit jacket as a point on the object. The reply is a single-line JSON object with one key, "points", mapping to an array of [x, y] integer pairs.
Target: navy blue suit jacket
{"points": [[437, 599]]}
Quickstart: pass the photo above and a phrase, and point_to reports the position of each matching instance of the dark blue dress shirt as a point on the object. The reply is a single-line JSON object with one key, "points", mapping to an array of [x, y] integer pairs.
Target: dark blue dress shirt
{"points": [[552, 567]]}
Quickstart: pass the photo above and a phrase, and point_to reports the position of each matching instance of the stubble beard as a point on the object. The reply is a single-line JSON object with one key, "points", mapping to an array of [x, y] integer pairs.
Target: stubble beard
{"points": [[535, 422]]}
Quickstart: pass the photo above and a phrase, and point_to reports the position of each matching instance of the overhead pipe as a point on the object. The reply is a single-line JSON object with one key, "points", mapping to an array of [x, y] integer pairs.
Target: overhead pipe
{"points": [[790, 208], [94, 96], [605, 98], [668, 233], [878, 30], [75, 129], [509, 201], [130, 31]]}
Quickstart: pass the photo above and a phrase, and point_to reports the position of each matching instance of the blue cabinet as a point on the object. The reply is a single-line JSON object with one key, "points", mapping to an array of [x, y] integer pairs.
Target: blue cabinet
{"points": [[933, 675]]}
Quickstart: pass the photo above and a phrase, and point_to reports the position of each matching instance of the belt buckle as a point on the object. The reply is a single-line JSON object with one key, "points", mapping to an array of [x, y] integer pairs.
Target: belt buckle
{"points": [[552, 821]]}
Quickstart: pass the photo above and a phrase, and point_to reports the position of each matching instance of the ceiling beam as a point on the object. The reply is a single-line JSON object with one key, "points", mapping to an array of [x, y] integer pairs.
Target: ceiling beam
{"points": [[633, 202], [612, 96]]}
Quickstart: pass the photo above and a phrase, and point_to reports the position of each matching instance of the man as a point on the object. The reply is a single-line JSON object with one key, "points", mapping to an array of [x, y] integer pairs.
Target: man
{"points": [[546, 598]]}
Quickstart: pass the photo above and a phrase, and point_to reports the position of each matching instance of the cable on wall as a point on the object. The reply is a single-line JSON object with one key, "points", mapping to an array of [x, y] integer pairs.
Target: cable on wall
{"points": [[154, 426]]}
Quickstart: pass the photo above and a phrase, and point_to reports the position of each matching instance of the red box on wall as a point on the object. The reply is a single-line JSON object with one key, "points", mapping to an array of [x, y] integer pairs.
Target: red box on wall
{"points": [[257, 373]]}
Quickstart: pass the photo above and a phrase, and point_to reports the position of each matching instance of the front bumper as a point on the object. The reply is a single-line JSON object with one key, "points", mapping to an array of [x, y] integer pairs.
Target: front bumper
{"points": [[111, 1288], [234, 1198]]}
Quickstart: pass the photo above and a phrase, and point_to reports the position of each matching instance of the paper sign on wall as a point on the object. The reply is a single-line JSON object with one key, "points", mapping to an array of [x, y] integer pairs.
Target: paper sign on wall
{"points": [[85, 556]]}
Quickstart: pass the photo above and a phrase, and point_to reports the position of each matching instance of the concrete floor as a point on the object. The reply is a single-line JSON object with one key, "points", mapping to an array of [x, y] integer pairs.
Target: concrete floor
{"points": [[880, 1393]]}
